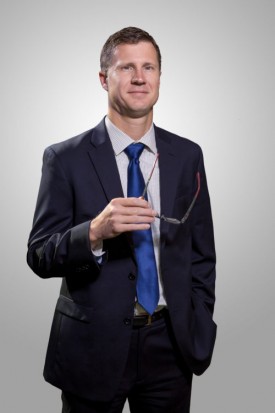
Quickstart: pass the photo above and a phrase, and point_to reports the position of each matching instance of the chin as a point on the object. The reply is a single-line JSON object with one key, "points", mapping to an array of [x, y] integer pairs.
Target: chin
{"points": [[139, 112]]}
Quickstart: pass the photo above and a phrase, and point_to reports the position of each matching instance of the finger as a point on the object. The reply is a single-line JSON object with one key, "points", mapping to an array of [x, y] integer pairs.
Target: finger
{"points": [[132, 227], [139, 202], [136, 212], [137, 219]]}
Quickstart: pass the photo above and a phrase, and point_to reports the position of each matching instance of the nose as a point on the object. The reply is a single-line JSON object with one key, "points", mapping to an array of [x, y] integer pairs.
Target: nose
{"points": [[138, 77]]}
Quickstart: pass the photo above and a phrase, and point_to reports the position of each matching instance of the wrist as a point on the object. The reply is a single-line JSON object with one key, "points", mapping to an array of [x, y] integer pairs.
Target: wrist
{"points": [[95, 240]]}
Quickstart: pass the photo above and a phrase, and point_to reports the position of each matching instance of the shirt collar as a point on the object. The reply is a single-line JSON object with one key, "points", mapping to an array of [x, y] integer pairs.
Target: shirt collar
{"points": [[120, 140]]}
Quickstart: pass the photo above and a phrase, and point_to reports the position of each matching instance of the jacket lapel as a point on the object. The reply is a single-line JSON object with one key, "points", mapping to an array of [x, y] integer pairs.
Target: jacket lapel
{"points": [[103, 160], [168, 171]]}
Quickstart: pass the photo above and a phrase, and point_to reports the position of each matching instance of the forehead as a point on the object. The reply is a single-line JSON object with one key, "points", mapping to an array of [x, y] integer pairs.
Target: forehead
{"points": [[135, 53]]}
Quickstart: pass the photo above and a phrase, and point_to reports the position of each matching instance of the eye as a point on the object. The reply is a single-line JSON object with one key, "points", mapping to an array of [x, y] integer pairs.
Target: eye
{"points": [[126, 68], [149, 68]]}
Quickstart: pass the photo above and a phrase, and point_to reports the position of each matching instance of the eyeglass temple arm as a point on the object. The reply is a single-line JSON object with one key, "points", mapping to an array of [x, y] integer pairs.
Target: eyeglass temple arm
{"points": [[150, 176], [194, 199]]}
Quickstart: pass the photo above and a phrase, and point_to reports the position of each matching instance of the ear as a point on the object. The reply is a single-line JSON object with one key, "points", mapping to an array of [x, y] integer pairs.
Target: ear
{"points": [[103, 80]]}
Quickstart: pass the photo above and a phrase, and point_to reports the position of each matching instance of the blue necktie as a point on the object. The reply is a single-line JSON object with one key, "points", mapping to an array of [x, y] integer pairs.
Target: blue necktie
{"points": [[147, 281]]}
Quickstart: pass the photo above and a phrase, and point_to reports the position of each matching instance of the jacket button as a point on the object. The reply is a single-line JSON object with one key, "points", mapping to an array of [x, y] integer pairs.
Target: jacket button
{"points": [[131, 276], [127, 321]]}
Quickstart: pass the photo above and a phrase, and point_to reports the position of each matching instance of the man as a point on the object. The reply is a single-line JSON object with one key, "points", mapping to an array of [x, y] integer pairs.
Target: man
{"points": [[121, 330]]}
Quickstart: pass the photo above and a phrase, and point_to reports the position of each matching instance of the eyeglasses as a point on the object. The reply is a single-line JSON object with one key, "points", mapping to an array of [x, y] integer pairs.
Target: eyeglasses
{"points": [[187, 213]]}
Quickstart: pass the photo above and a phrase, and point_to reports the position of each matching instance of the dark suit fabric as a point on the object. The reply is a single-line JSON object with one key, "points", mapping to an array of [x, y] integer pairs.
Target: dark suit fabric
{"points": [[155, 379], [91, 330]]}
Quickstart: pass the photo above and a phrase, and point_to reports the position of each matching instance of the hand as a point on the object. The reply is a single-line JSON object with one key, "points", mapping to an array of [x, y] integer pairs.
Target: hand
{"points": [[121, 215]]}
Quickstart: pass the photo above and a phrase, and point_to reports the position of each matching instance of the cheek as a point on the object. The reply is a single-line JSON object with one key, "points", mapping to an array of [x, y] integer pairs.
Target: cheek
{"points": [[117, 87], [155, 88], [155, 84], [113, 89]]}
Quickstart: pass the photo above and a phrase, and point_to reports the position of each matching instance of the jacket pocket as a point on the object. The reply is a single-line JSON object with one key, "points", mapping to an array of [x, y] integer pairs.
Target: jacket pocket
{"points": [[70, 337], [69, 308], [203, 336]]}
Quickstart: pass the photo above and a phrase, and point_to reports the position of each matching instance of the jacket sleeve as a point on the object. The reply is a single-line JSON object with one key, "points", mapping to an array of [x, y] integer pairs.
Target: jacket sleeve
{"points": [[57, 247], [203, 248]]}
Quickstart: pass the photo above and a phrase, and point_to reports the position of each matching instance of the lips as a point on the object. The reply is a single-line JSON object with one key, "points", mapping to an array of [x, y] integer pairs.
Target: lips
{"points": [[138, 91]]}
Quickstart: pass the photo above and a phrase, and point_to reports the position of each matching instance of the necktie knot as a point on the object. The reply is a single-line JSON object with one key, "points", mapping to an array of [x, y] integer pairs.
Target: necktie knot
{"points": [[134, 151]]}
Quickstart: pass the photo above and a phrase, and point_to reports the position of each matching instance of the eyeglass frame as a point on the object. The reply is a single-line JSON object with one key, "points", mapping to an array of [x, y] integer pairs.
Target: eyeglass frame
{"points": [[187, 213]]}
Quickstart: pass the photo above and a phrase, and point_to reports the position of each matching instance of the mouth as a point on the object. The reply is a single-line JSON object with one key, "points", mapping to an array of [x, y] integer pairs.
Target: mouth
{"points": [[138, 91]]}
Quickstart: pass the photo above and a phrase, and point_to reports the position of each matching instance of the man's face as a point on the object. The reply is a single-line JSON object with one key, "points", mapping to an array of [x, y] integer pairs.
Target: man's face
{"points": [[133, 80]]}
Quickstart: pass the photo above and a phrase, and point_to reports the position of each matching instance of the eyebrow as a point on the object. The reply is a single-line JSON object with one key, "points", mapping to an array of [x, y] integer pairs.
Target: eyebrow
{"points": [[134, 64]]}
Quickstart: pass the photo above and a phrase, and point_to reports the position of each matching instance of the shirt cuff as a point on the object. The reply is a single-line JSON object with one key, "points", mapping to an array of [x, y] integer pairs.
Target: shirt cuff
{"points": [[99, 253]]}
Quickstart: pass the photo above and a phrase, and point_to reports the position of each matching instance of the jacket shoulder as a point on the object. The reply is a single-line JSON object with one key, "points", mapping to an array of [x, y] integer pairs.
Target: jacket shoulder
{"points": [[76, 144], [71, 145], [180, 143]]}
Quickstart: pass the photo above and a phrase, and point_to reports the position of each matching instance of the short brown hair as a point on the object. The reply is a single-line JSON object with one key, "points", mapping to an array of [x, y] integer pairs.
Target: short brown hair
{"points": [[128, 35]]}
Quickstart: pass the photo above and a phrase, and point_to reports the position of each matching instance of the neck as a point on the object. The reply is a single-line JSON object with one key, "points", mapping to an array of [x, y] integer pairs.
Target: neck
{"points": [[135, 128]]}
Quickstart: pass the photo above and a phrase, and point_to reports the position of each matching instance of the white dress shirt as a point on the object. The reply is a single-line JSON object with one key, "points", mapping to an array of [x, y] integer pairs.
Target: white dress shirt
{"points": [[120, 141]]}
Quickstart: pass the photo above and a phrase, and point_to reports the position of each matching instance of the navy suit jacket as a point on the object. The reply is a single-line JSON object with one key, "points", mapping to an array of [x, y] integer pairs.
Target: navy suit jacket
{"points": [[91, 329]]}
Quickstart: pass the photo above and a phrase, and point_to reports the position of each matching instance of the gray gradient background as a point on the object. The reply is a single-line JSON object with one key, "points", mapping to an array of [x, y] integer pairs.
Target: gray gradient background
{"points": [[217, 89]]}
